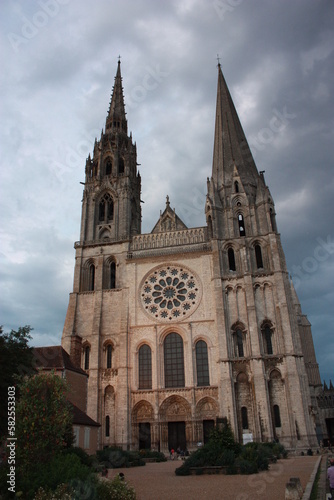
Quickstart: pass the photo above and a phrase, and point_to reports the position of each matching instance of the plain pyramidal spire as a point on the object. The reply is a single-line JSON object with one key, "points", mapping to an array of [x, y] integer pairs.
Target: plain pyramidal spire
{"points": [[231, 148]]}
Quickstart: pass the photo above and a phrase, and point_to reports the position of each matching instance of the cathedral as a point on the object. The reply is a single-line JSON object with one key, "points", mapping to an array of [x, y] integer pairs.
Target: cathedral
{"points": [[181, 328]]}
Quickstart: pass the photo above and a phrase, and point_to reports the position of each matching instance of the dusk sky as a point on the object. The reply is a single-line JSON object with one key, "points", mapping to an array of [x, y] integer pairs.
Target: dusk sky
{"points": [[59, 59]]}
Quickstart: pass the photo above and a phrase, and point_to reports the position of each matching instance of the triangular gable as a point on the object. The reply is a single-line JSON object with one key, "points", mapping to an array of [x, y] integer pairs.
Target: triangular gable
{"points": [[168, 220]]}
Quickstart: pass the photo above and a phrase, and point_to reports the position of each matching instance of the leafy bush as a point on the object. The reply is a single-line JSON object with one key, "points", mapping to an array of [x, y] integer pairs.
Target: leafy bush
{"points": [[157, 455], [116, 489], [113, 457], [223, 450], [62, 469], [85, 459]]}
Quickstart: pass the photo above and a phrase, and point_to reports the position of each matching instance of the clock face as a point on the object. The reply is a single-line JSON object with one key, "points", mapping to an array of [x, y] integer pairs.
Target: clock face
{"points": [[170, 293]]}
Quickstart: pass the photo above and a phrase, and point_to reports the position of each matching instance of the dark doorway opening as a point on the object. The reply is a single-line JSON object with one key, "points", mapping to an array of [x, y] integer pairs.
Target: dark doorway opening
{"points": [[208, 426], [145, 436], [177, 435]]}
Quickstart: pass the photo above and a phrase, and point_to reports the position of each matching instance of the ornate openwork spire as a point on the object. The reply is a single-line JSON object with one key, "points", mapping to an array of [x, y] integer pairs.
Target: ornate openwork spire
{"points": [[230, 144], [116, 119]]}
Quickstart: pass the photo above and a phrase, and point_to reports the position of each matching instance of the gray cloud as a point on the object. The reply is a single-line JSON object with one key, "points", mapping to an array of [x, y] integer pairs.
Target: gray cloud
{"points": [[59, 61]]}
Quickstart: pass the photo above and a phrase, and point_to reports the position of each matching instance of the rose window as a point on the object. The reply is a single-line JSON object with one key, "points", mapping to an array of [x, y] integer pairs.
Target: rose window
{"points": [[170, 293]]}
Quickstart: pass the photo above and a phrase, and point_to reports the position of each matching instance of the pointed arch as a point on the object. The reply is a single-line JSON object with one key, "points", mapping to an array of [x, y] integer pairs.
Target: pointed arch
{"points": [[239, 339], [108, 166], [267, 337], [174, 360], [106, 208], [258, 256], [145, 367], [231, 259], [202, 364]]}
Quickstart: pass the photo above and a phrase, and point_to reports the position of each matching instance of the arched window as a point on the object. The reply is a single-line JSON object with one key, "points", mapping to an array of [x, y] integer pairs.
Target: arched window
{"points": [[277, 416], [101, 210], [109, 355], [236, 186], [240, 343], [244, 417], [106, 208], [121, 166], [107, 426], [108, 167], [86, 357], [145, 367], [258, 257], [267, 341], [173, 360], [241, 223], [91, 284], [112, 270], [231, 259], [202, 364]]}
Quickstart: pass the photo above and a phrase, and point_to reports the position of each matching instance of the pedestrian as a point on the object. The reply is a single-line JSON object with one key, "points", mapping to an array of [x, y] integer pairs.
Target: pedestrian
{"points": [[172, 454], [330, 475]]}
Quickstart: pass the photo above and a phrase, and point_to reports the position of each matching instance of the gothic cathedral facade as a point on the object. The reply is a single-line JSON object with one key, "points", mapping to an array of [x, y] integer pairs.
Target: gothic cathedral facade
{"points": [[182, 327]]}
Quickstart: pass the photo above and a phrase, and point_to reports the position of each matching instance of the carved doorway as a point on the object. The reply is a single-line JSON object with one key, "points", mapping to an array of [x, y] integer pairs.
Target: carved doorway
{"points": [[177, 435]]}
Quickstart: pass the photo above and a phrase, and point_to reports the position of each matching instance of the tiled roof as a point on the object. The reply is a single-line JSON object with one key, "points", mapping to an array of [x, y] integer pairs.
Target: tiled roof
{"points": [[81, 418], [54, 358]]}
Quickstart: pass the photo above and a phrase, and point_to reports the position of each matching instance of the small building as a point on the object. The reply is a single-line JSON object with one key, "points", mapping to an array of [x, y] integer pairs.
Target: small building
{"points": [[56, 359]]}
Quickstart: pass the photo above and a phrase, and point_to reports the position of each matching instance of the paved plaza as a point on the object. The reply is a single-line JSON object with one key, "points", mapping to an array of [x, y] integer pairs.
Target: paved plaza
{"points": [[157, 481]]}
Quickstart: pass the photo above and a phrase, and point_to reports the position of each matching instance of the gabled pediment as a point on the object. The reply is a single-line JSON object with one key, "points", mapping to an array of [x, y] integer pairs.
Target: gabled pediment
{"points": [[168, 220]]}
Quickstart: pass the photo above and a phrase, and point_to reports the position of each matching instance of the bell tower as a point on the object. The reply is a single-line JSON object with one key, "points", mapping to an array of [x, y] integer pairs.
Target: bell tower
{"points": [[111, 200]]}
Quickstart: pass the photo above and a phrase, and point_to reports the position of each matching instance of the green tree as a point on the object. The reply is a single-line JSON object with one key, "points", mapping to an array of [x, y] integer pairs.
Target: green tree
{"points": [[16, 360], [44, 420]]}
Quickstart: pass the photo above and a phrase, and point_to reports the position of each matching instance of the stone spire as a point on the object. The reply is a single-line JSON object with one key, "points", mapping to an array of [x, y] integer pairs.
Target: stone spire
{"points": [[230, 145], [116, 118]]}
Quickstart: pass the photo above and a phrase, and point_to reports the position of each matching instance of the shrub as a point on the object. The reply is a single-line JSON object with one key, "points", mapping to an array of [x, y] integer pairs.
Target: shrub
{"points": [[116, 489], [62, 469], [157, 455], [85, 459]]}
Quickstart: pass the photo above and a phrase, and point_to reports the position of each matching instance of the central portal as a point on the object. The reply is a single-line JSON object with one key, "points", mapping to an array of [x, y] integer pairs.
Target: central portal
{"points": [[177, 435]]}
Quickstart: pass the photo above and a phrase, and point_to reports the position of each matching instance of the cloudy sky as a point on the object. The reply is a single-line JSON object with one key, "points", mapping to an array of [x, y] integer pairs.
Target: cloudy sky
{"points": [[59, 59]]}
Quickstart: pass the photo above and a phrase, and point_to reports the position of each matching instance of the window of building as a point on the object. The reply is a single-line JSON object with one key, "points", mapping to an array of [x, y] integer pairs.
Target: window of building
{"points": [[267, 339], [76, 433], [87, 438], [241, 223], [240, 343], [244, 417], [145, 367], [109, 355], [277, 416], [112, 270], [121, 166], [106, 208], [202, 363], [173, 360], [86, 357], [258, 257], [231, 259], [108, 167], [91, 285], [107, 426], [236, 186]]}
